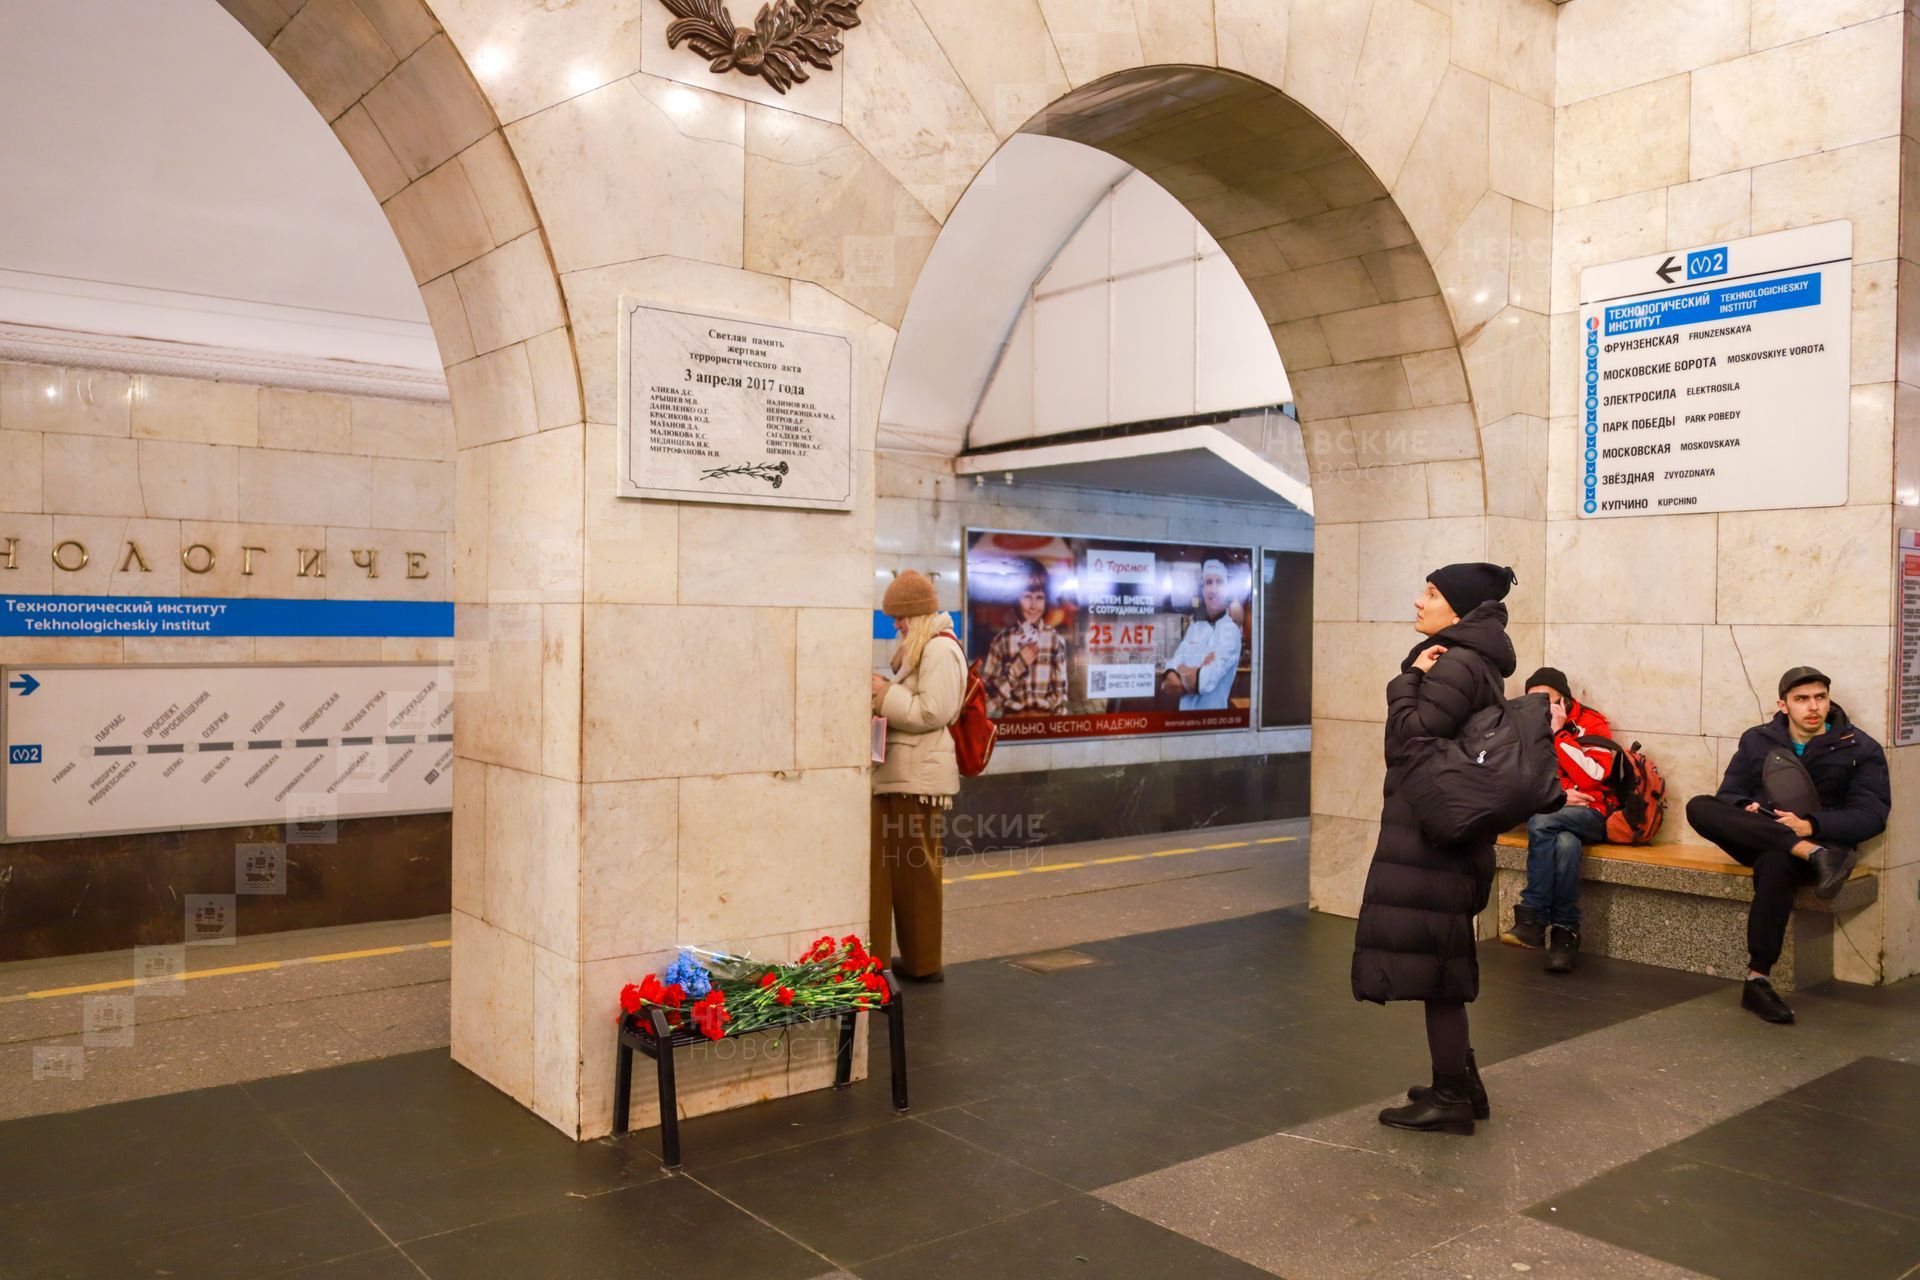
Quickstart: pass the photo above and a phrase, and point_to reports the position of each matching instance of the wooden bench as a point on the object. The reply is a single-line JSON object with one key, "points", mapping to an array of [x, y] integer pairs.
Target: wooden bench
{"points": [[1681, 905]]}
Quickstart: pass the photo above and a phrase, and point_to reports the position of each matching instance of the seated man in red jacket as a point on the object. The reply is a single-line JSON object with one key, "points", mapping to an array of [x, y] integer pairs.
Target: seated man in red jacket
{"points": [[1550, 904]]}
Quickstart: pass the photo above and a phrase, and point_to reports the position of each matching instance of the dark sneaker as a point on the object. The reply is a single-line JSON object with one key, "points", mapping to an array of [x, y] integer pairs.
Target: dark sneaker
{"points": [[1562, 949], [1527, 930], [1833, 865], [1759, 996]]}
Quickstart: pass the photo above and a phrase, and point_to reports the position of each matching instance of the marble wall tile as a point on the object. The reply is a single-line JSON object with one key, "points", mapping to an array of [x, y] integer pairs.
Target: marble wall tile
{"points": [[1717, 208], [270, 571], [372, 564], [533, 858], [1362, 386], [263, 19], [1563, 471], [1520, 146], [1832, 564], [557, 997], [1176, 30], [492, 1004], [493, 397], [94, 402], [1861, 183], [19, 471], [186, 650], [439, 223], [1456, 488], [535, 519], [1521, 544], [1399, 274], [600, 985], [1777, 22], [1346, 232], [1687, 764], [312, 421], [820, 208], [799, 557], [1516, 466], [448, 316], [1510, 43], [306, 488], [1446, 172], [1631, 42], [1605, 231], [404, 25], [1870, 445], [1474, 270], [411, 493], [629, 865], [1530, 267], [907, 106], [1507, 365], [557, 51], [1646, 676], [560, 659], [734, 882], [1742, 666], [1095, 37], [600, 206], [510, 293], [1432, 434], [1392, 328], [1337, 873], [1251, 36], [429, 109], [110, 569], [1301, 345], [1323, 44], [1851, 93], [316, 649], [1345, 494], [494, 174], [1591, 164], [1435, 377], [25, 649], [1900, 939], [1563, 383], [1002, 52], [593, 304], [192, 409], [832, 656], [1402, 59], [402, 428], [333, 53], [556, 379], [189, 482], [1340, 285], [370, 152], [690, 666], [1348, 768], [632, 546], [1642, 570], [1336, 573], [91, 475], [1396, 556], [497, 709], [469, 877]]}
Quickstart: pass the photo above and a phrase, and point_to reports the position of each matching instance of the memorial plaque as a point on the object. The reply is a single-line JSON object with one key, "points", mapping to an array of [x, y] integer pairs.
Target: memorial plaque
{"points": [[1717, 378], [722, 409], [1906, 642]]}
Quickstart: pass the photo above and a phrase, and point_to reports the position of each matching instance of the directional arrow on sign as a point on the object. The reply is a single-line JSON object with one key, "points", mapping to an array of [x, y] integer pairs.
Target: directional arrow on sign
{"points": [[1667, 269], [26, 684]]}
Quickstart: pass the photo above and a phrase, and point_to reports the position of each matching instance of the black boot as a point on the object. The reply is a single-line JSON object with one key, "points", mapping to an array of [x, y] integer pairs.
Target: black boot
{"points": [[1759, 996], [1446, 1108], [1562, 950], [1476, 1090], [1528, 929], [1833, 864]]}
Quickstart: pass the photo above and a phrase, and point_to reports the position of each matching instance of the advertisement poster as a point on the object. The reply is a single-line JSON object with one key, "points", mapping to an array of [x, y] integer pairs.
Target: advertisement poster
{"points": [[1100, 637]]}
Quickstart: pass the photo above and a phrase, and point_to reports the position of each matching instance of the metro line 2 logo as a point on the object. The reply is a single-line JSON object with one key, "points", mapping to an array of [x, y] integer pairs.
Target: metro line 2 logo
{"points": [[24, 753]]}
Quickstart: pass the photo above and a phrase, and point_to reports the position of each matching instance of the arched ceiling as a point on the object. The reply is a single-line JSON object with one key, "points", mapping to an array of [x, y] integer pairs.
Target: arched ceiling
{"points": [[165, 179]]}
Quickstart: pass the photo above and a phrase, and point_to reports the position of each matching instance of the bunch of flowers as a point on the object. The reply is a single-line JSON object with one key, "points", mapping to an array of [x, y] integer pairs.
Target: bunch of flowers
{"points": [[732, 995]]}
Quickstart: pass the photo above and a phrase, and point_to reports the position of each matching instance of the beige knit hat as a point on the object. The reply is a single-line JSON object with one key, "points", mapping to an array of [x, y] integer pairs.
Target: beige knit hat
{"points": [[909, 595]]}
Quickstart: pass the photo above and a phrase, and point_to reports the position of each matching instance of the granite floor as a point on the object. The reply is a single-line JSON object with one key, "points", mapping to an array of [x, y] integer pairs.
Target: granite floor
{"points": [[1197, 1101]]}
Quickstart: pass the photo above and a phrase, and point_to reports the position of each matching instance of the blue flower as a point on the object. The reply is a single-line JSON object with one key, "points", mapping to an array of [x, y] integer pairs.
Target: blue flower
{"points": [[690, 974]]}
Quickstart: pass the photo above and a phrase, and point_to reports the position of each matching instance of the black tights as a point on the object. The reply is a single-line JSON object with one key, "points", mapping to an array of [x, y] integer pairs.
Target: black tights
{"points": [[1447, 1040]]}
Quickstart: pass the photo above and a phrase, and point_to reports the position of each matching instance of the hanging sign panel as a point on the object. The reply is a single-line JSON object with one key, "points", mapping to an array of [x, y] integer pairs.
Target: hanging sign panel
{"points": [[1906, 648], [98, 750], [1717, 378], [723, 409], [1081, 637]]}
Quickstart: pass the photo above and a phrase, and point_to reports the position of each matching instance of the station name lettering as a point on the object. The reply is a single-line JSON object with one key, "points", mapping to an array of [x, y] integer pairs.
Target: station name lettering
{"points": [[70, 555]]}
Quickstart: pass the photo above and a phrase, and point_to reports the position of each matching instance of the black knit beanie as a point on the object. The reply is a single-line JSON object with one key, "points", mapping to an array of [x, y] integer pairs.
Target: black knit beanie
{"points": [[1553, 678], [1467, 586]]}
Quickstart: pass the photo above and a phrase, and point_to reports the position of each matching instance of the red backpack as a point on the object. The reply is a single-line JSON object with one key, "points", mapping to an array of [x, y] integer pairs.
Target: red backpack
{"points": [[974, 732], [1636, 785]]}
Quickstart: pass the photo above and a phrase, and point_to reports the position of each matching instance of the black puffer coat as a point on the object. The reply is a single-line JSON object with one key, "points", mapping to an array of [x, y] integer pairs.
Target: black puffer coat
{"points": [[1415, 939], [1849, 771]]}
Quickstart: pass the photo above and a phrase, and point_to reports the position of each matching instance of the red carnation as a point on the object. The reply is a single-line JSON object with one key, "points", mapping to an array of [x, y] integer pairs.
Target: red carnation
{"points": [[631, 998], [784, 996], [767, 979], [673, 995]]}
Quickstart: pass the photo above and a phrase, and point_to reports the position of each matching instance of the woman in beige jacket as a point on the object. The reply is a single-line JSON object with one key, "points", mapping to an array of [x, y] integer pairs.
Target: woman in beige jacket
{"points": [[913, 788]]}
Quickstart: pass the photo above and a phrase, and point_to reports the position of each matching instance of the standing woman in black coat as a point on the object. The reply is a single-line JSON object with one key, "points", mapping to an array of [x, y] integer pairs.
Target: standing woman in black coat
{"points": [[1415, 937]]}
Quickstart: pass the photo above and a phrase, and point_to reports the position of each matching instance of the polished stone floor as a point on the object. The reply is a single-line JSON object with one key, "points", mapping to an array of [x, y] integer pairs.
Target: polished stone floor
{"points": [[1196, 1102]]}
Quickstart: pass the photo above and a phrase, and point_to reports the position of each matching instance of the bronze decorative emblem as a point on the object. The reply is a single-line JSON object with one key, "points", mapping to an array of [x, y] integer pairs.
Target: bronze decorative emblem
{"points": [[786, 37]]}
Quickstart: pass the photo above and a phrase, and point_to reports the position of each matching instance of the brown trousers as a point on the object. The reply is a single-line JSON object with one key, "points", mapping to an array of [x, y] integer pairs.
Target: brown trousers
{"points": [[905, 883]]}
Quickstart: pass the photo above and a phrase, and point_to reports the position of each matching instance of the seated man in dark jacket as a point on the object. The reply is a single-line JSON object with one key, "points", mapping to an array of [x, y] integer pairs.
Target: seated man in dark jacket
{"points": [[1800, 793]]}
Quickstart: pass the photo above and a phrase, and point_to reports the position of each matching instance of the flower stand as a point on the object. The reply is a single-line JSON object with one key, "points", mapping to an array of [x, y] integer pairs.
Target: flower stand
{"points": [[646, 1030]]}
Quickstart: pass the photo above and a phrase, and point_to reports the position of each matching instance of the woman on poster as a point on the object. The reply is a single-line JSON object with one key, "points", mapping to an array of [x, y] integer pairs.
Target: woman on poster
{"points": [[1025, 672]]}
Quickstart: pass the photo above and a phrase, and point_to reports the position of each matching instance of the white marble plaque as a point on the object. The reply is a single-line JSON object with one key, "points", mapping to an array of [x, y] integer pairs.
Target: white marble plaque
{"points": [[721, 409]]}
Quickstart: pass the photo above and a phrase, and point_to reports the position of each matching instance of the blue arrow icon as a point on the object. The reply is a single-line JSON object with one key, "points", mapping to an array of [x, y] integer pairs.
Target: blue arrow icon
{"points": [[26, 684]]}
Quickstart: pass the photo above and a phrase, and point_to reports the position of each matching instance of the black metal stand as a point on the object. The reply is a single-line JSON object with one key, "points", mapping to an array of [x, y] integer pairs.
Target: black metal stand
{"points": [[658, 1041]]}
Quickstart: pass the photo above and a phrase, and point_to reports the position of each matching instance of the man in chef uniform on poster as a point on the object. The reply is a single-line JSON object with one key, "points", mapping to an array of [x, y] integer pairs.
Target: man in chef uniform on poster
{"points": [[1201, 670]]}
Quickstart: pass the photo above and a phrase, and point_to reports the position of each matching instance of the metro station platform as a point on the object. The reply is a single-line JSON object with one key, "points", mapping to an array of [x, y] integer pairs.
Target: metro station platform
{"points": [[1195, 1100]]}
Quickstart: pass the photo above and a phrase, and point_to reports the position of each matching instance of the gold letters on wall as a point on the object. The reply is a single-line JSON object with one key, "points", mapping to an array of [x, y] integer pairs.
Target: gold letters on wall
{"points": [[71, 556]]}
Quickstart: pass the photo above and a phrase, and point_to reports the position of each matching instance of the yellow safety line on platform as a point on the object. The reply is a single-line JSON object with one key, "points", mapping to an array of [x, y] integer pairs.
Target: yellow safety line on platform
{"points": [[1124, 857], [260, 966]]}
